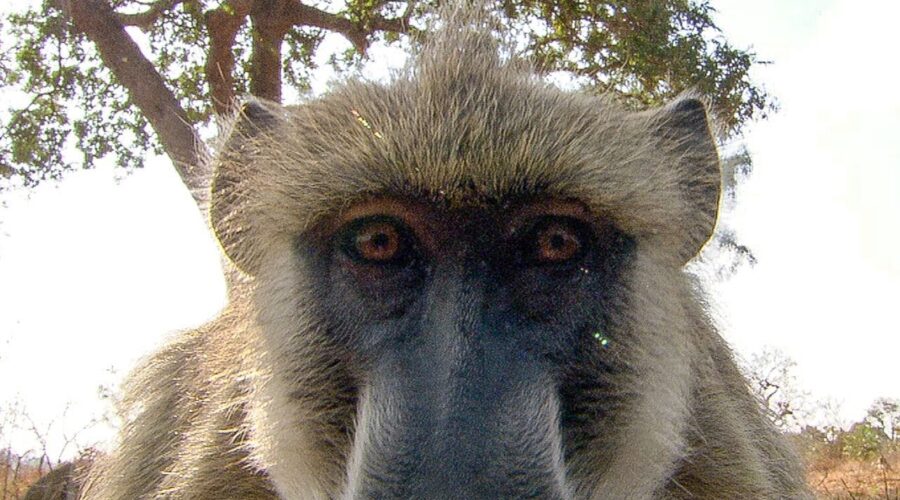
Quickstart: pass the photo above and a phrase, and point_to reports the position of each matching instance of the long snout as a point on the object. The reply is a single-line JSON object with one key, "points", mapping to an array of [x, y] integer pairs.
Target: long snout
{"points": [[457, 416]]}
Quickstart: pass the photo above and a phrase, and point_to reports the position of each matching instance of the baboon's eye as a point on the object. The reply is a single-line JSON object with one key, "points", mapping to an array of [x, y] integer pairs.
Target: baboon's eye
{"points": [[555, 240], [377, 240]]}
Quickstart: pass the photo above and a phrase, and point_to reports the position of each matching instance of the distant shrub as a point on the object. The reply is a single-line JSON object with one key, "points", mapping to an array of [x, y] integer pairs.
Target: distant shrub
{"points": [[863, 442]]}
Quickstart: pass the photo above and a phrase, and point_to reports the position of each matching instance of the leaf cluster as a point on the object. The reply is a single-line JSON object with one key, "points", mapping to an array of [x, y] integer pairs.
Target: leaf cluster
{"points": [[647, 52], [65, 110]]}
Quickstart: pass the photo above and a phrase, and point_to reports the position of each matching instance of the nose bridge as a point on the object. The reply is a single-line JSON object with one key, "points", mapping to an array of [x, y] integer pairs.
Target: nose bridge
{"points": [[451, 317], [448, 362], [469, 362]]}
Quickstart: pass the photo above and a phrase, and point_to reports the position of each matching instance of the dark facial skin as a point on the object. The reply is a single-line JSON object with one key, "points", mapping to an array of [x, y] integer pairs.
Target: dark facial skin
{"points": [[464, 327]]}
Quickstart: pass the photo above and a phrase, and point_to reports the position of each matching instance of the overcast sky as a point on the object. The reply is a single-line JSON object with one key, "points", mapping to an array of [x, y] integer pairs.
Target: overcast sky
{"points": [[95, 270], [822, 209]]}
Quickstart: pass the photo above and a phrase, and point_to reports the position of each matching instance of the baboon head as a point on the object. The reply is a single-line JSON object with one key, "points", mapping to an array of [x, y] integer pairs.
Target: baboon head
{"points": [[467, 283]]}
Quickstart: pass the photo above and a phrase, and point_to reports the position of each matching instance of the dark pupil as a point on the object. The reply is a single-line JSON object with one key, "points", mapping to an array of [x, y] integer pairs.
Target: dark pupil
{"points": [[381, 240], [557, 241]]}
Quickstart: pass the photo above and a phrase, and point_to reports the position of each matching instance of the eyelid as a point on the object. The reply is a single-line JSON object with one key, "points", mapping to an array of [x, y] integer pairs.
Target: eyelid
{"points": [[525, 217], [416, 217], [528, 236], [408, 243]]}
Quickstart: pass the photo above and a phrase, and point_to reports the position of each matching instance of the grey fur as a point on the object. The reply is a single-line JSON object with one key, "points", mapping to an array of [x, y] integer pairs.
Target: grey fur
{"points": [[263, 403]]}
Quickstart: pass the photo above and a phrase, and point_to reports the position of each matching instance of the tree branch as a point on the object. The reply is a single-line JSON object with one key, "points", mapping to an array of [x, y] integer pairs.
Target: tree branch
{"points": [[146, 88], [144, 20], [223, 24], [305, 15], [271, 21]]}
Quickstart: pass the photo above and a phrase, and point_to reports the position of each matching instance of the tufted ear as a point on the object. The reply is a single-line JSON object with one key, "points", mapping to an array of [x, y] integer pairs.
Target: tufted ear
{"points": [[685, 129], [234, 199]]}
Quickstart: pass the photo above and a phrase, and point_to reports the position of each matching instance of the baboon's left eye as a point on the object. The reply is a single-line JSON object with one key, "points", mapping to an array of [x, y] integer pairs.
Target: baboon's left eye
{"points": [[555, 240]]}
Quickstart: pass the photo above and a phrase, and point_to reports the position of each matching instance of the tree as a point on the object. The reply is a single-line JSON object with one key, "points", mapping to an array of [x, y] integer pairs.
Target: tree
{"points": [[770, 374], [93, 90], [884, 416], [862, 441]]}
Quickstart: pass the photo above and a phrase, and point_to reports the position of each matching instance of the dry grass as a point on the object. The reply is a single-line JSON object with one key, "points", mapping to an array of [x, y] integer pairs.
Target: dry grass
{"points": [[840, 479]]}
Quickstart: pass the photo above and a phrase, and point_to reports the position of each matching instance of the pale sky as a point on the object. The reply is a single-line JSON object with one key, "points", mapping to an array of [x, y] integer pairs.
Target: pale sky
{"points": [[822, 208], [95, 272]]}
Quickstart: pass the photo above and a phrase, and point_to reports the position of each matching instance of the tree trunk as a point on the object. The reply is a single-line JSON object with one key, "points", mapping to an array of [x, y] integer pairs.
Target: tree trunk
{"points": [[148, 91]]}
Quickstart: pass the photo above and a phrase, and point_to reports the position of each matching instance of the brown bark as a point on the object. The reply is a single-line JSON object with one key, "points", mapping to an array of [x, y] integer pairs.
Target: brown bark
{"points": [[146, 88], [271, 21], [223, 24], [304, 15]]}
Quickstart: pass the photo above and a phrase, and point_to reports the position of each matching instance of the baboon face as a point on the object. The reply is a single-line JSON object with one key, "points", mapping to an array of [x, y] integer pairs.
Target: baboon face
{"points": [[463, 325], [467, 284]]}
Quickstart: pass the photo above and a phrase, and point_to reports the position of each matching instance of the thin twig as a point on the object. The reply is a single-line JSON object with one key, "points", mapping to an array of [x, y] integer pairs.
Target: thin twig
{"points": [[847, 489]]}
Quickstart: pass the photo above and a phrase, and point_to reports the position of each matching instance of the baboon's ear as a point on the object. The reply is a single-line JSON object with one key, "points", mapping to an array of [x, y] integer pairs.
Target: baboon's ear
{"points": [[685, 127], [233, 200]]}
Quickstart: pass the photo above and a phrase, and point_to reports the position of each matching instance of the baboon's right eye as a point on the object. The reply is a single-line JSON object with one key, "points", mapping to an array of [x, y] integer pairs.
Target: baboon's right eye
{"points": [[377, 240]]}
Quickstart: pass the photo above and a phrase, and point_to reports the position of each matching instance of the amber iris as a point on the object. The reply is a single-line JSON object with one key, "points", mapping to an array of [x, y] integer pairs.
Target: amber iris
{"points": [[557, 242], [378, 241]]}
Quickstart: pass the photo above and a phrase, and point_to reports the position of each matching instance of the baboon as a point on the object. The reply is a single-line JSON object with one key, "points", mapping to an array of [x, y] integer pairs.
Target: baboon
{"points": [[462, 283]]}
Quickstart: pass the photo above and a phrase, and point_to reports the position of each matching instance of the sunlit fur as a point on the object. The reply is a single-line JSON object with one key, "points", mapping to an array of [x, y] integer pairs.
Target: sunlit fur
{"points": [[260, 403]]}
